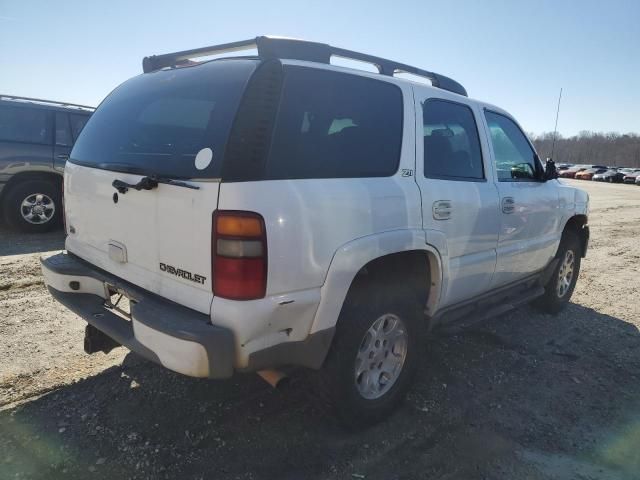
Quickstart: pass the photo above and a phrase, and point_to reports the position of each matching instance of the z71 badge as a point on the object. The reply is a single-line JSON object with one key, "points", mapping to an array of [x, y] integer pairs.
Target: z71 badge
{"points": [[178, 272]]}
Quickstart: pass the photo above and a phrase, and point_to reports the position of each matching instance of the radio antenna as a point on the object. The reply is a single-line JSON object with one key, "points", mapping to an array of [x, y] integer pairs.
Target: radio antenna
{"points": [[555, 129]]}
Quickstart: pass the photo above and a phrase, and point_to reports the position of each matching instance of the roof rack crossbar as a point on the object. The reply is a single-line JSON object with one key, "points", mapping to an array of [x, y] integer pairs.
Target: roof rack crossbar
{"points": [[278, 47], [48, 102]]}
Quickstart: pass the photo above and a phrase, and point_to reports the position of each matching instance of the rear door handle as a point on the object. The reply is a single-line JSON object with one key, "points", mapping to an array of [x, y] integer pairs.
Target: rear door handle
{"points": [[508, 205], [442, 209], [63, 156]]}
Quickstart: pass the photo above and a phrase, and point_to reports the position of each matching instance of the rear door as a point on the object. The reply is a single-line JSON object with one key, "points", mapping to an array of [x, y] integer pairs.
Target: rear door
{"points": [[529, 217], [459, 197], [170, 124]]}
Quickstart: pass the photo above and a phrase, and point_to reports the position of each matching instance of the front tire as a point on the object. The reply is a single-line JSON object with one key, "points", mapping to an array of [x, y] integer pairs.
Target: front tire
{"points": [[559, 288], [33, 206], [374, 354]]}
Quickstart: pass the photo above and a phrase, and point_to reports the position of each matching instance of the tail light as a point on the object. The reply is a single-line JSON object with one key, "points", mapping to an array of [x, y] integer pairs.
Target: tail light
{"points": [[239, 255]]}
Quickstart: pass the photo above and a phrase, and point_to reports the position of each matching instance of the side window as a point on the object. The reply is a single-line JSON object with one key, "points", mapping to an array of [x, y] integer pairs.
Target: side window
{"points": [[63, 133], [77, 124], [335, 125], [451, 142], [27, 125], [514, 157]]}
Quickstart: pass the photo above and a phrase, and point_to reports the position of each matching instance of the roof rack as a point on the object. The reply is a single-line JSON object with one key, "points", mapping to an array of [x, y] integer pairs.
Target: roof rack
{"points": [[279, 47], [46, 102]]}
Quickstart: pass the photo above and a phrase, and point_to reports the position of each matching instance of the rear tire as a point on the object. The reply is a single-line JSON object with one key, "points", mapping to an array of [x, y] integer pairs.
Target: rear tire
{"points": [[560, 286], [33, 206], [365, 376]]}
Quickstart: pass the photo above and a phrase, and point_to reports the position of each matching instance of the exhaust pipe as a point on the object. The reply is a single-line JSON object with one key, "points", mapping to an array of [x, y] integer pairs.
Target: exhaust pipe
{"points": [[275, 378]]}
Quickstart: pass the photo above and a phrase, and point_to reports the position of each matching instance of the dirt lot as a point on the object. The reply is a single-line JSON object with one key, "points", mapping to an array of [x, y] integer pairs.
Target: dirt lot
{"points": [[522, 396]]}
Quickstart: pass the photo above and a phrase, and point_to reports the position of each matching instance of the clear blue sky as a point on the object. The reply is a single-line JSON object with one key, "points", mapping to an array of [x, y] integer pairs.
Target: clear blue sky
{"points": [[513, 54]]}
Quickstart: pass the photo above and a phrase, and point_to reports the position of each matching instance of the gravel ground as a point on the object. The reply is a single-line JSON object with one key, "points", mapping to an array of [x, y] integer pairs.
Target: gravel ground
{"points": [[521, 396]]}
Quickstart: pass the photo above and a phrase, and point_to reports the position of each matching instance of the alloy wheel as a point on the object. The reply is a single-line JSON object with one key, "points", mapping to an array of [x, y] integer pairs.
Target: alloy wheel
{"points": [[37, 208], [381, 356], [565, 274]]}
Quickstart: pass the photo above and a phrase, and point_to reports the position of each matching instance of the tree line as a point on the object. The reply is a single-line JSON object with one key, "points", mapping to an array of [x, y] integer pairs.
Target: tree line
{"points": [[596, 148]]}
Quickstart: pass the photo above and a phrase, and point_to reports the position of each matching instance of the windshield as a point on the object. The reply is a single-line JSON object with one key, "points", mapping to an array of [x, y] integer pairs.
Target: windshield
{"points": [[158, 123]]}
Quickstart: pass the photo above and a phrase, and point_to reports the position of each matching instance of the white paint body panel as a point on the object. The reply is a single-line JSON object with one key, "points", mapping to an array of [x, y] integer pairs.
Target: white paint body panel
{"points": [[529, 236], [471, 231], [169, 224], [308, 223]]}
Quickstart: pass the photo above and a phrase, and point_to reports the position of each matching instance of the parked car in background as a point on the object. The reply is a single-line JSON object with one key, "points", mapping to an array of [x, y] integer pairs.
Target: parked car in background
{"points": [[36, 137], [611, 176], [630, 177], [589, 173], [563, 166], [571, 171]]}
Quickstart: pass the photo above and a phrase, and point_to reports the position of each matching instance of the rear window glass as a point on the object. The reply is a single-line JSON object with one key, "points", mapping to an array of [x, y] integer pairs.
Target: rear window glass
{"points": [[334, 125], [23, 124], [157, 123]]}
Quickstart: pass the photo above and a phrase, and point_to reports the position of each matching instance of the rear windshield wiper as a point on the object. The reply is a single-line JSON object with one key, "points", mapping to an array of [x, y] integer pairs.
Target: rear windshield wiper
{"points": [[149, 183]]}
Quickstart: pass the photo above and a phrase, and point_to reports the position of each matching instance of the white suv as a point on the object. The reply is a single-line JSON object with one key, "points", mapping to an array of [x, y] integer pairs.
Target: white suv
{"points": [[275, 210]]}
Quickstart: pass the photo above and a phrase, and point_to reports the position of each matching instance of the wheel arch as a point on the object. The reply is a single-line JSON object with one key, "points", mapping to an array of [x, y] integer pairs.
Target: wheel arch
{"points": [[18, 178], [579, 224], [378, 256]]}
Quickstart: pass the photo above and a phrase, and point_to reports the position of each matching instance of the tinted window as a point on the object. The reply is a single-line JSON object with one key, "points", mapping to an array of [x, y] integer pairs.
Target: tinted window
{"points": [[451, 142], [20, 124], [63, 133], [77, 124], [156, 123], [333, 125], [514, 157]]}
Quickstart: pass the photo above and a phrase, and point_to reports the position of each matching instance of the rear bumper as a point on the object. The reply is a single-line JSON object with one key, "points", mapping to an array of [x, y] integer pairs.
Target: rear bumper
{"points": [[164, 332]]}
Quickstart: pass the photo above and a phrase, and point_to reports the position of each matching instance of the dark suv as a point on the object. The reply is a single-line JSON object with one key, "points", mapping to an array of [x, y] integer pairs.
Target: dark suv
{"points": [[36, 137]]}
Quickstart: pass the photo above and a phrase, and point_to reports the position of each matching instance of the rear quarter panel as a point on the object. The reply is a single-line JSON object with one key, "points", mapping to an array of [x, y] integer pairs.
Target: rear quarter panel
{"points": [[308, 221]]}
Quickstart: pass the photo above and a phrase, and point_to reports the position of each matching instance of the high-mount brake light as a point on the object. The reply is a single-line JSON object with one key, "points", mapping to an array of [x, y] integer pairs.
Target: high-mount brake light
{"points": [[239, 255]]}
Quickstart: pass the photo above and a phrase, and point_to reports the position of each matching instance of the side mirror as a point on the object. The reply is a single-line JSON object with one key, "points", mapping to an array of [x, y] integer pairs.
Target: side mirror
{"points": [[522, 171], [550, 170]]}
